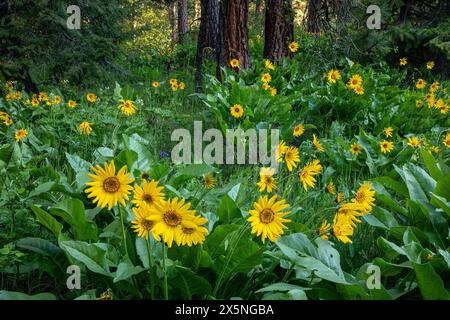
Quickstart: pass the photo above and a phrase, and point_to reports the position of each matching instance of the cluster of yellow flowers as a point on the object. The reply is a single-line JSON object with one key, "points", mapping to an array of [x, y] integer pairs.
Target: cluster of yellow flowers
{"points": [[266, 78], [430, 97], [355, 82], [175, 85], [167, 220], [7, 120], [404, 61], [127, 107], [386, 146], [348, 214]]}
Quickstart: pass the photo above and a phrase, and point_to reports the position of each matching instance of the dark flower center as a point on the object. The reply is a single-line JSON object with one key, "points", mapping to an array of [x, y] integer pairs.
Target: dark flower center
{"points": [[147, 198], [188, 230], [147, 225], [111, 185], [266, 216], [171, 218]]}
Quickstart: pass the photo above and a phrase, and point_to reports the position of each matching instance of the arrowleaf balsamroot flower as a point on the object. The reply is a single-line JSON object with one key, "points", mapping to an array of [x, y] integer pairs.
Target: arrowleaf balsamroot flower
{"points": [[293, 46], [413, 142], [108, 187], [267, 217], [127, 107], [209, 181], [269, 65], [71, 104], [324, 230], [85, 128], [317, 145], [91, 97], [342, 228], [308, 172], [299, 130], [21, 134], [355, 148], [266, 180], [447, 140], [388, 132], [365, 196], [148, 194], [234, 63], [143, 224], [420, 84], [236, 111], [355, 81], [171, 216], [266, 78], [291, 157], [333, 76], [386, 146]]}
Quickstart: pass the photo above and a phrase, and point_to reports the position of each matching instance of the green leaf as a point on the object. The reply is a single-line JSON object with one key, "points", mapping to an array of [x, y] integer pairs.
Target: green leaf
{"points": [[281, 286], [323, 260], [228, 210], [72, 211], [47, 221], [11, 295], [41, 246], [430, 283], [78, 164], [91, 255], [189, 284], [431, 165], [126, 269]]}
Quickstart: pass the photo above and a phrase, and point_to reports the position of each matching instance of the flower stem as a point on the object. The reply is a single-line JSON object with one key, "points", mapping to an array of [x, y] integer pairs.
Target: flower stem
{"points": [[166, 292], [150, 264], [123, 230]]}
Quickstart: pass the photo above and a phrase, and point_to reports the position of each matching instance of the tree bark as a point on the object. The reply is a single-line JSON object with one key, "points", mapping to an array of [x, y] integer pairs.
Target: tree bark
{"points": [[207, 36], [313, 16], [182, 19], [171, 7], [258, 7], [278, 29], [404, 11], [235, 31]]}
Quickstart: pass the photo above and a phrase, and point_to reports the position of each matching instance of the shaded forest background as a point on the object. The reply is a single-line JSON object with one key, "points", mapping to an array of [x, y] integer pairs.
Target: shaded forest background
{"points": [[120, 40]]}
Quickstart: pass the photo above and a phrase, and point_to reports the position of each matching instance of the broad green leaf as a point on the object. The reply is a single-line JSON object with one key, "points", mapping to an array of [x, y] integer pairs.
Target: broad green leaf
{"points": [[281, 286], [91, 255], [189, 284], [72, 211], [431, 164], [126, 269], [47, 221], [430, 283], [325, 261], [11, 295], [41, 246], [228, 210], [78, 164]]}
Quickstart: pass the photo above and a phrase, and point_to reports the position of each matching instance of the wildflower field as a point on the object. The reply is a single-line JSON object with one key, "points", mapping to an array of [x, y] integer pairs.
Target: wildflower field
{"points": [[355, 203]]}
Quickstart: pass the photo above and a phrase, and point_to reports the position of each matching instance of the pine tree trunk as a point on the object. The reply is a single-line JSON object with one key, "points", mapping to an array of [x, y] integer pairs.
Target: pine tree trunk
{"points": [[171, 7], [207, 36], [182, 19], [235, 31], [313, 16], [257, 8], [278, 29]]}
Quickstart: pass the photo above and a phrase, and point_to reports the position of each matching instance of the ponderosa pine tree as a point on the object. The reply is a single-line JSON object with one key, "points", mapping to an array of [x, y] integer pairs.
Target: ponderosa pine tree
{"points": [[208, 35], [182, 19], [234, 29], [278, 29]]}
